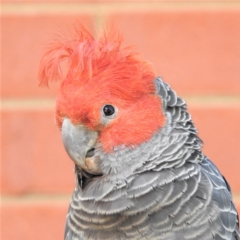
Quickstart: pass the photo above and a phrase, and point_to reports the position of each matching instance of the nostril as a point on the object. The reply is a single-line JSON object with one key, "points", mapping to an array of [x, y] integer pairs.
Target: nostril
{"points": [[90, 153]]}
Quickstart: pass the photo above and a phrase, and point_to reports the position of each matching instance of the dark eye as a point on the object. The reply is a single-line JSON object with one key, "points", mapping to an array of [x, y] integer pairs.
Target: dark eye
{"points": [[108, 110]]}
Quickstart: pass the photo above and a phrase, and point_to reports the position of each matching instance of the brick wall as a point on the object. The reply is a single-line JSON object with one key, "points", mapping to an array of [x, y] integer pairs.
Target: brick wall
{"points": [[195, 46]]}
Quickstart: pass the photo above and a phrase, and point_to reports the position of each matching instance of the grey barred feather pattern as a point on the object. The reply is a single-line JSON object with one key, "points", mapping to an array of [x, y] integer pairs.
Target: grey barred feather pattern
{"points": [[163, 189]]}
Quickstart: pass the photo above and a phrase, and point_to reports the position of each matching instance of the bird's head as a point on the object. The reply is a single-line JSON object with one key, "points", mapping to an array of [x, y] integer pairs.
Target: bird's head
{"points": [[107, 100]]}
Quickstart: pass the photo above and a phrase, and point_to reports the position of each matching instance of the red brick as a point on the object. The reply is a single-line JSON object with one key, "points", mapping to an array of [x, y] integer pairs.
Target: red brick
{"points": [[196, 51], [33, 156], [219, 129], [31, 220], [24, 39]]}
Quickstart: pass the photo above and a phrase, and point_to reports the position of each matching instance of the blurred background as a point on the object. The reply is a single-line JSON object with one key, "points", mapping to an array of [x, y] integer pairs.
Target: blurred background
{"points": [[194, 46]]}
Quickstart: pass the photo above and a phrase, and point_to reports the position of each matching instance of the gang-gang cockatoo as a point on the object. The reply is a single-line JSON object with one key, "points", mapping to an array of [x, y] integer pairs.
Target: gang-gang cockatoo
{"points": [[140, 170]]}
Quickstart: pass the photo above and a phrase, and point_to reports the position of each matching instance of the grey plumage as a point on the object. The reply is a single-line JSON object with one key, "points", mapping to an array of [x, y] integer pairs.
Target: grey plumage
{"points": [[164, 189]]}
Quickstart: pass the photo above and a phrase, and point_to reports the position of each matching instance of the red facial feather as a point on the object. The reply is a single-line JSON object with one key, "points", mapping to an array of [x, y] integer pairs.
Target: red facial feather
{"points": [[135, 124], [103, 72]]}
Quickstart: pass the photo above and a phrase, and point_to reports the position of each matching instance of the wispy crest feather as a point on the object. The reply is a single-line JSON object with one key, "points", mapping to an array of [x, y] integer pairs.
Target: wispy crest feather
{"points": [[85, 55]]}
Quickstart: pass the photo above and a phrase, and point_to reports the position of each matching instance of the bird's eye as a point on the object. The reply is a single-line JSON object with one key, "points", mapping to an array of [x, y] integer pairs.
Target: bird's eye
{"points": [[108, 110]]}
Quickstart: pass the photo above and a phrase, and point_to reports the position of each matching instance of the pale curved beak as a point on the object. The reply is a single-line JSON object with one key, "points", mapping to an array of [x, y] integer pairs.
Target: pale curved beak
{"points": [[79, 143]]}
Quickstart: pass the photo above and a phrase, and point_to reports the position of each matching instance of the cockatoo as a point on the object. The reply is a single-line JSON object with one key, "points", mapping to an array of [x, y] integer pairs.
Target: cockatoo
{"points": [[140, 169]]}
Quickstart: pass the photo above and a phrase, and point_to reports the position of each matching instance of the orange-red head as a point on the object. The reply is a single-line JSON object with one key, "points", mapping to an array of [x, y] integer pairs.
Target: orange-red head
{"points": [[102, 72]]}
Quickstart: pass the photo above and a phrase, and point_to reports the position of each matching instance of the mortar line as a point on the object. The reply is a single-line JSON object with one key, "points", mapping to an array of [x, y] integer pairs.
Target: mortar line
{"points": [[37, 197], [49, 103], [108, 7]]}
